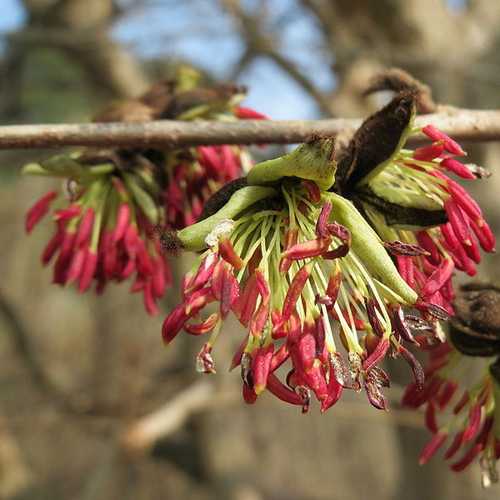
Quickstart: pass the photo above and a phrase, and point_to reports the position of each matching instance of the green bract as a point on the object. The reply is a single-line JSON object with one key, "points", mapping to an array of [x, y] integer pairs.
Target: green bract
{"points": [[368, 246], [311, 161], [193, 237]]}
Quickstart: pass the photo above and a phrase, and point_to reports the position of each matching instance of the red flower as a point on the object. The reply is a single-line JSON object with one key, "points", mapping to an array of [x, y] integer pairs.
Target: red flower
{"points": [[418, 179], [195, 176], [469, 416], [104, 235], [294, 277], [107, 232]]}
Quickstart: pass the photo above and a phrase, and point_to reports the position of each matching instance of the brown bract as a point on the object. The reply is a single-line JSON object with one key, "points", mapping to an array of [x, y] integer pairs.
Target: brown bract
{"points": [[375, 141], [475, 329]]}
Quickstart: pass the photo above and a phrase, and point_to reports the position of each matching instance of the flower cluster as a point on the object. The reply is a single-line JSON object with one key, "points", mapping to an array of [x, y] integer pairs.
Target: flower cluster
{"points": [[115, 199], [461, 394], [195, 175], [418, 179], [308, 258], [103, 230], [307, 276], [469, 419], [433, 227], [409, 197]]}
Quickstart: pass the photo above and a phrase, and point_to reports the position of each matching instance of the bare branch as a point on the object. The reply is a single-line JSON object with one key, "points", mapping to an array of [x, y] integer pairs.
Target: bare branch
{"points": [[142, 434], [462, 124]]}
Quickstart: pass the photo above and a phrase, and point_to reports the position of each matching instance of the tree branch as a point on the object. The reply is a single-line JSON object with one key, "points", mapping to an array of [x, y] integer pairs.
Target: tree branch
{"points": [[462, 124], [143, 433]]}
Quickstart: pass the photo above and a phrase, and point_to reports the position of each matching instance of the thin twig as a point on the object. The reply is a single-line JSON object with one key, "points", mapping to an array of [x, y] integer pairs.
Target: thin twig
{"points": [[462, 124], [142, 434]]}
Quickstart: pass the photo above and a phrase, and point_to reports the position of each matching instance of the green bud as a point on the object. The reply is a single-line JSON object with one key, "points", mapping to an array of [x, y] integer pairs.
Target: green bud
{"points": [[312, 161]]}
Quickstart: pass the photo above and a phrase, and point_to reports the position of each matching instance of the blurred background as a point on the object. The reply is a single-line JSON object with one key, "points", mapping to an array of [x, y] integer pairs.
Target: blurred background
{"points": [[80, 375]]}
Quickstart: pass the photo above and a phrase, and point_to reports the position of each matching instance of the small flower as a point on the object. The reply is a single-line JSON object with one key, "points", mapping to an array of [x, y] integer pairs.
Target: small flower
{"points": [[39, 210]]}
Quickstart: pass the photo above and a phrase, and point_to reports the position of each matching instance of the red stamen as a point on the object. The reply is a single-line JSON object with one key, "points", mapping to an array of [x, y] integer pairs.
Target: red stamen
{"points": [[484, 234], [88, 271], [426, 242], [321, 225], [457, 168], [244, 113], [85, 228], [458, 221], [261, 366], [430, 417], [226, 251], [313, 190], [39, 210], [438, 278], [245, 306], [455, 445], [204, 327], [308, 249], [461, 404], [473, 426], [275, 386], [450, 145], [431, 448], [122, 222], [429, 153], [339, 252], [377, 355], [467, 459], [295, 290]]}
